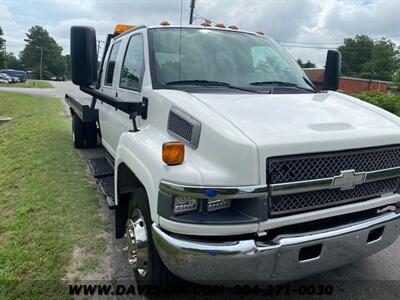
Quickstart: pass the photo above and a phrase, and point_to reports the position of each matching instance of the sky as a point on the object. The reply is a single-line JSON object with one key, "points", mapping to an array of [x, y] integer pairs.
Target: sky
{"points": [[303, 23]]}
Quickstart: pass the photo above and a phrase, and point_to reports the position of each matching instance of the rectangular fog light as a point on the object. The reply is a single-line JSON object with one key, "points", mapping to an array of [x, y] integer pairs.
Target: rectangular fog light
{"points": [[184, 204], [213, 205]]}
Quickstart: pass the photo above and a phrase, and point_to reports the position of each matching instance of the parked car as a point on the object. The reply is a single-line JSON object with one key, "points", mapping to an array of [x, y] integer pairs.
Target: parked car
{"points": [[57, 78], [16, 75], [3, 81], [225, 163], [5, 77]]}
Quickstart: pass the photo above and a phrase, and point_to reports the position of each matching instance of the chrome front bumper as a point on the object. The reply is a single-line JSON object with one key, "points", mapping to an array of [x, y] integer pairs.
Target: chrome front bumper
{"points": [[279, 259]]}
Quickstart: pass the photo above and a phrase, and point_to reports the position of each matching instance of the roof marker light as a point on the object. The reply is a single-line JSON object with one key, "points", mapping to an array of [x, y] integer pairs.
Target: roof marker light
{"points": [[234, 27], [119, 28], [164, 23], [220, 25], [260, 32], [206, 24]]}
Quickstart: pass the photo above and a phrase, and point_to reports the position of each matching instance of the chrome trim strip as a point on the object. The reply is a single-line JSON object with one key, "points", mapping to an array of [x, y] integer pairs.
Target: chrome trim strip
{"points": [[300, 186], [326, 183], [382, 174], [200, 192]]}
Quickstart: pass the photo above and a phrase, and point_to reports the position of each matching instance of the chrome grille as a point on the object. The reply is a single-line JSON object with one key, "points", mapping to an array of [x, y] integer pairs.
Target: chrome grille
{"points": [[295, 203], [306, 168]]}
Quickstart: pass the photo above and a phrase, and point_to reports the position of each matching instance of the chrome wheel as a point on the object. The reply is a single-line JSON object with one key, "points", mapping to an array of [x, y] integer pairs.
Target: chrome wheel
{"points": [[137, 240]]}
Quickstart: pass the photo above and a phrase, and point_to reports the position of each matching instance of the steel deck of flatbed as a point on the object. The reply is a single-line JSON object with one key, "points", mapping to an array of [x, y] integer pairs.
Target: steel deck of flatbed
{"points": [[81, 107]]}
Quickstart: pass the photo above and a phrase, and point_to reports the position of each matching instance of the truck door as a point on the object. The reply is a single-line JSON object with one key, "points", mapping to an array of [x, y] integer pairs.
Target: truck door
{"points": [[130, 83], [108, 85], [127, 85]]}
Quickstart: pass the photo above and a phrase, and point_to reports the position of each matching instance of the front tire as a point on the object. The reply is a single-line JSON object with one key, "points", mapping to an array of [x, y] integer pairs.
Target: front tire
{"points": [[148, 267]]}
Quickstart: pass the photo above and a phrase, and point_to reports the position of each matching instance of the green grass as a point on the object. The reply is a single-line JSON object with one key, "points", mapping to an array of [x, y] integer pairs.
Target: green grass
{"points": [[30, 84], [48, 205]]}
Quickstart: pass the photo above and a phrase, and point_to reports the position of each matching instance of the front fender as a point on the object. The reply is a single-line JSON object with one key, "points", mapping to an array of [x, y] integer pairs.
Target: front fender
{"points": [[141, 152]]}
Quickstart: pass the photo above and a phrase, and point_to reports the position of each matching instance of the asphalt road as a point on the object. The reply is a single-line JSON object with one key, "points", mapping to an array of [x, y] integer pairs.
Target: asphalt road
{"points": [[376, 277]]}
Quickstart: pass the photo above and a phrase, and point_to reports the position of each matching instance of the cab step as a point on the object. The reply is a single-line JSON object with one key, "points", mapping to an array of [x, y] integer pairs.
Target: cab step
{"points": [[106, 185], [101, 167], [103, 171]]}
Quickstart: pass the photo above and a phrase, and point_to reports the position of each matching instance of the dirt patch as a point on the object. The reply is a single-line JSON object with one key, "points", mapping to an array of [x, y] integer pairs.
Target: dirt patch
{"points": [[86, 264], [94, 264]]}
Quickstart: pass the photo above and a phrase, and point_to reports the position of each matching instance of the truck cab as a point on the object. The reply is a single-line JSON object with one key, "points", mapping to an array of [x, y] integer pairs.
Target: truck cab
{"points": [[228, 163]]}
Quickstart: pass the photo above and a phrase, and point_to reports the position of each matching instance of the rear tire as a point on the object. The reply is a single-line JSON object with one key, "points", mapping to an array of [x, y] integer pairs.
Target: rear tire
{"points": [[78, 132], [91, 134], [150, 270]]}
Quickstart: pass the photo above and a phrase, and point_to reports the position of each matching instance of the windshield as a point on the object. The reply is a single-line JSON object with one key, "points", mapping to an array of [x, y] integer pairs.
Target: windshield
{"points": [[239, 59]]}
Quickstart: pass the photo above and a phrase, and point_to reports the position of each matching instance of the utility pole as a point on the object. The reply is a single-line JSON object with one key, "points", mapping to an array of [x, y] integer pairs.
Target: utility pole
{"points": [[192, 5], [5, 54]]}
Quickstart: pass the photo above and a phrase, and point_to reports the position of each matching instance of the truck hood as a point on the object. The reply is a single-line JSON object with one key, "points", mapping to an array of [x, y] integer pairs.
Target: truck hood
{"points": [[307, 122]]}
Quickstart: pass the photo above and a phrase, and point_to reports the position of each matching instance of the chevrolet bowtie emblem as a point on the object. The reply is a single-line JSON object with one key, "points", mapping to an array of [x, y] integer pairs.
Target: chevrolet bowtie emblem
{"points": [[348, 180]]}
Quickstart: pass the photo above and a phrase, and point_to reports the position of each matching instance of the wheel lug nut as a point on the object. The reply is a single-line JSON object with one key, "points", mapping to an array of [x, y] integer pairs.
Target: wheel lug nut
{"points": [[132, 261]]}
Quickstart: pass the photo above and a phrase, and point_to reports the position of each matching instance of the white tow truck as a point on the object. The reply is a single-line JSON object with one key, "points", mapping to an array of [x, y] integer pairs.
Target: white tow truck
{"points": [[225, 163]]}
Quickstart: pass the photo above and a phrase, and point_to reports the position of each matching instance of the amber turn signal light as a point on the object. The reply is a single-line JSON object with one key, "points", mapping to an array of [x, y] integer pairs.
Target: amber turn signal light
{"points": [[120, 28], [173, 153]]}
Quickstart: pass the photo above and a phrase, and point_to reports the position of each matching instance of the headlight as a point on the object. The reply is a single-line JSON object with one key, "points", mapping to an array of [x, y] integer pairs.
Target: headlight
{"points": [[184, 204], [213, 205], [187, 204]]}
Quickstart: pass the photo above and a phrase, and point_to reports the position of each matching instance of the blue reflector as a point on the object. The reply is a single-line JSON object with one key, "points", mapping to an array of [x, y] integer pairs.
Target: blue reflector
{"points": [[210, 192]]}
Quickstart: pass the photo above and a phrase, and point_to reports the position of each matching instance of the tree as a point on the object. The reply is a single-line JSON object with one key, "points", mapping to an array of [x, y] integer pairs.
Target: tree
{"points": [[68, 66], [53, 62], [308, 64], [396, 79], [383, 62], [355, 54], [13, 62], [2, 50], [365, 58]]}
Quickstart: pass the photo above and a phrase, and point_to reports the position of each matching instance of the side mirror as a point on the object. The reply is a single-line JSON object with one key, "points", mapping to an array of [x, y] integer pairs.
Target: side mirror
{"points": [[83, 55], [332, 70]]}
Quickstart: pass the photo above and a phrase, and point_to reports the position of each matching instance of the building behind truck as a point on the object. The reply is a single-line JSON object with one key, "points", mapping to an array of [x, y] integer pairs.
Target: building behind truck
{"points": [[349, 85]]}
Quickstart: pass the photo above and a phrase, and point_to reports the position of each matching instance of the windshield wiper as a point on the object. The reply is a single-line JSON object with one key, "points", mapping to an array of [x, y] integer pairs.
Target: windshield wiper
{"points": [[210, 83], [282, 83], [309, 83]]}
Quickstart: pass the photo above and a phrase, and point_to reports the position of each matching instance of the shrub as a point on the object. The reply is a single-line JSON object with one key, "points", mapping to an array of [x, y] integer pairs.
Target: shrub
{"points": [[388, 102]]}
